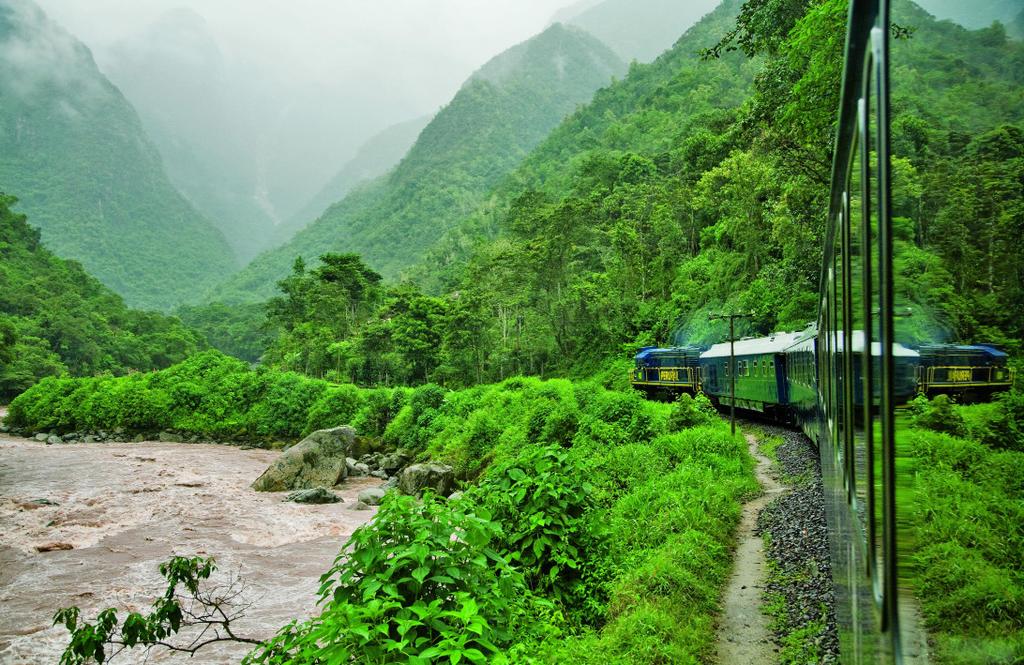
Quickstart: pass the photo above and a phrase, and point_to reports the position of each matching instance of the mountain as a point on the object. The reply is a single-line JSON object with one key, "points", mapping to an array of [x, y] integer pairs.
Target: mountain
{"points": [[651, 111], [56, 319], [637, 29], [373, 159], [505, 109], [694, 186], [976, 14], [1016, 27], [184, 89], [74, 151]]}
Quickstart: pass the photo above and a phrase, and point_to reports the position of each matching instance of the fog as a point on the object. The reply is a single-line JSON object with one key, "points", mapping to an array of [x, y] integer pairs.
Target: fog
{"points": [[285, 92]]}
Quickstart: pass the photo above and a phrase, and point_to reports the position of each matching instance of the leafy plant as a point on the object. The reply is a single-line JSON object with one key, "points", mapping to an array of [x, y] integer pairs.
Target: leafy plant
{"points": [[938, 415], [691, 411], [205, 612], [549, 531], [422, 583]]}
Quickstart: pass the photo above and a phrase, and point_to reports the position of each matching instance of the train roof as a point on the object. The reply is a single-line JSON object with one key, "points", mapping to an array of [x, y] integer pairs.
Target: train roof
{"points": [[653, 351], [898, 349], [780, 342], [962, 349], [774, 343]]}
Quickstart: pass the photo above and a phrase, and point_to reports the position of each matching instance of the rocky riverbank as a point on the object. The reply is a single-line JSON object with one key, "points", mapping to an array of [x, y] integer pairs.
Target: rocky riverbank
{"points": [[88, 524]]}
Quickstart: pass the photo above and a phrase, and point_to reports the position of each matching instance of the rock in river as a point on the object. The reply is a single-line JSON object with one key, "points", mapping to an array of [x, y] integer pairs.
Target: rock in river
{"points": [[315, 495], [439, 478], [316, 461], [371, 496]]}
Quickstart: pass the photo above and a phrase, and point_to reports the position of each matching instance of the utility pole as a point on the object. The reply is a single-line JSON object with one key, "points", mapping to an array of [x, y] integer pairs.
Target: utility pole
{"points": [[732, 362]]}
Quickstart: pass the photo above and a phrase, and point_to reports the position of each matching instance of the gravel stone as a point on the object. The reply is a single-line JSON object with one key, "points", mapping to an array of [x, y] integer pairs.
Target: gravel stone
{"points": [[799, 543]]}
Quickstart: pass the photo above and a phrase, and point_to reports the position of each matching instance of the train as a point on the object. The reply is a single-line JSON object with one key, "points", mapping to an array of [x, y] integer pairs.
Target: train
{"points": [[776, 374], [843, 379]]}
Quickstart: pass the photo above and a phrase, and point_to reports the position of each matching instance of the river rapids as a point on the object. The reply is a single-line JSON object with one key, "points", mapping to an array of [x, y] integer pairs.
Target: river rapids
{"points": [[119, 510]]}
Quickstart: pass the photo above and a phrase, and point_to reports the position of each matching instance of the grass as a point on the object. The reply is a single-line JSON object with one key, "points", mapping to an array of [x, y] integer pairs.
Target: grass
{"points": [[964, 509], [664, 498]]}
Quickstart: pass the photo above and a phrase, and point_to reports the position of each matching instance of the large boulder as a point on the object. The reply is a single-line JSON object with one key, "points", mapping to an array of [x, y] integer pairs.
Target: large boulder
{"points": [[316, 461], [440, 478], [394, 462], [315, 495]]}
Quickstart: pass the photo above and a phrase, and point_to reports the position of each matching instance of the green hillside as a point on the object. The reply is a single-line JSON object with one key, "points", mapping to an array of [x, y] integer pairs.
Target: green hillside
{"points": [[977, 14], [499, 115], [678, 101], [75, 152], [56, 319], [683, 189]]}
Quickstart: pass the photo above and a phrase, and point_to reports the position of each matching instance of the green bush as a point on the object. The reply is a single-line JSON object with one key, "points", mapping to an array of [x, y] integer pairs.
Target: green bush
{"points": [[420, 583], [1006, 428], [337, 405], [376, 413], [965, 511], [208, 395], [690, 412], [545, 510], [938, 415]]}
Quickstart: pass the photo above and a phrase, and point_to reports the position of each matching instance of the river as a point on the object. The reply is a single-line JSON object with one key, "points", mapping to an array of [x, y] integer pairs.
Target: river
{"points": [[126, 507]]}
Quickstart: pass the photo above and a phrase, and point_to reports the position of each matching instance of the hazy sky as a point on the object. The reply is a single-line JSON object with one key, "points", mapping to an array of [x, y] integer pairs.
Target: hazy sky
{"points": [[422, 48], [323, 75]]}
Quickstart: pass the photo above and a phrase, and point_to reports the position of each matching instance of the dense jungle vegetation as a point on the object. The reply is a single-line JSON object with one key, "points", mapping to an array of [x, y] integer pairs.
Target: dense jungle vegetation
{"points": [[693, 185], [55, 319], [965, 503], [551, 470], [74, 151]]}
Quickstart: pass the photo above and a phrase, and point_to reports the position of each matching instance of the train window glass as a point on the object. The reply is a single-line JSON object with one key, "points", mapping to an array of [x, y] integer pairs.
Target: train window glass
{"points": [[860, 300], [914, 325]]}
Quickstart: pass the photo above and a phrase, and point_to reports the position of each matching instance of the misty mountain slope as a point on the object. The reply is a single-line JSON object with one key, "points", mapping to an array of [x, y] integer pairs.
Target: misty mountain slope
{"points": [[651, 111], [503, 111], [975, 14], [74, 152], [637, 29], [373, 159], [177, 78]]}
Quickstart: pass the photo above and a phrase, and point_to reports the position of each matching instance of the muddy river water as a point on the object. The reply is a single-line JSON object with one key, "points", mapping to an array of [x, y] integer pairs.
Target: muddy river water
{"points": [[124, 508]]}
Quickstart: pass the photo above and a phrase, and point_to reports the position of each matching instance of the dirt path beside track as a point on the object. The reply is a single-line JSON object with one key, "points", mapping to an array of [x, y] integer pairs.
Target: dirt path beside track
{"points": [[743, 630]]}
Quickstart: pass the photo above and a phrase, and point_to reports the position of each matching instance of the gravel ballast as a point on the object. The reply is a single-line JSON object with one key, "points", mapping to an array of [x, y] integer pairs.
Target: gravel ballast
{"points": [[799, 594]]}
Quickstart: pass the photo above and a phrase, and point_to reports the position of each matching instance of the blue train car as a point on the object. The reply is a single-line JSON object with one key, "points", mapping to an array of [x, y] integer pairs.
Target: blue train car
{"points": [[967, 372], [666, 371]]}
